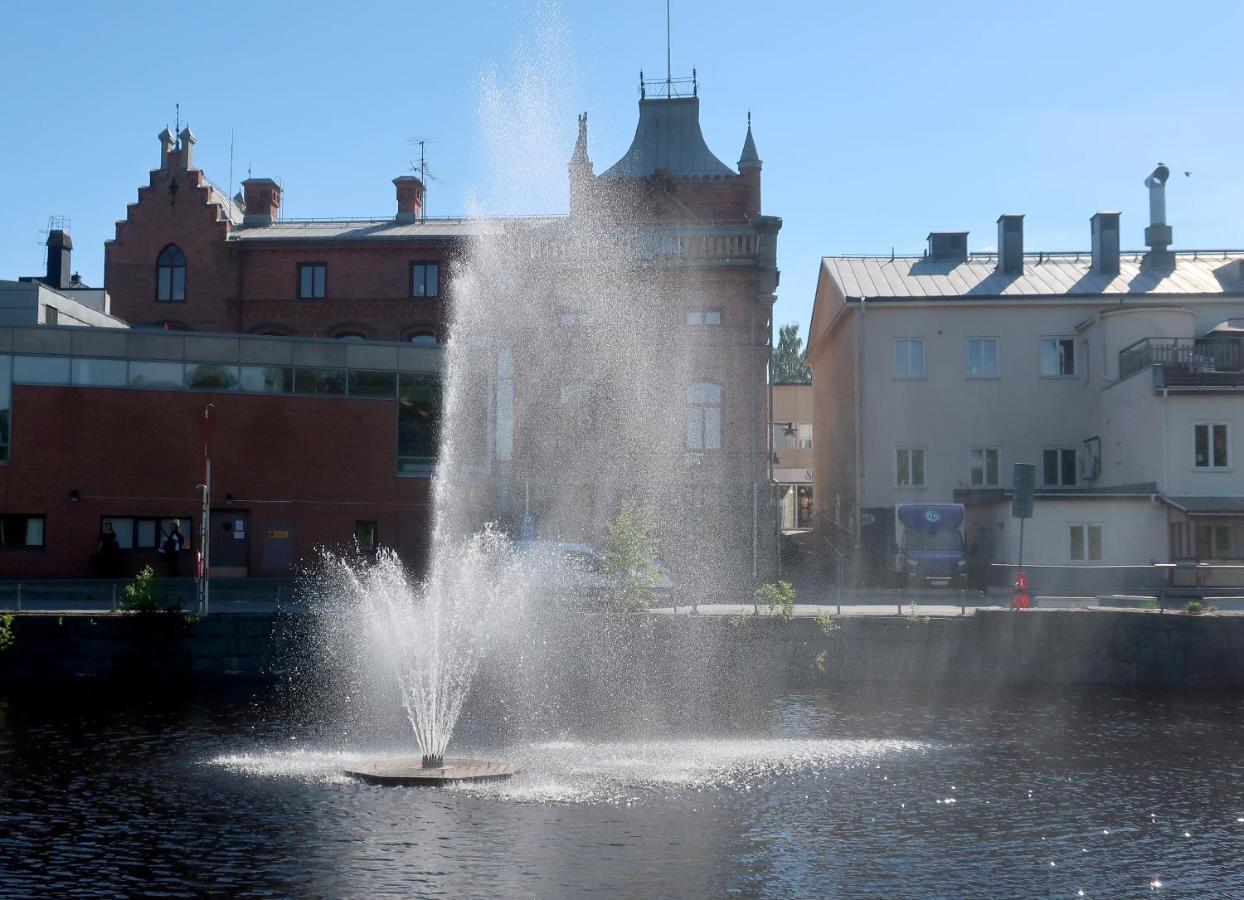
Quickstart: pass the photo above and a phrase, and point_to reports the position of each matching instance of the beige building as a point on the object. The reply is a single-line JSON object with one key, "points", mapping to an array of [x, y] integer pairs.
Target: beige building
{"points": [[793, 454], [1118, 375]]}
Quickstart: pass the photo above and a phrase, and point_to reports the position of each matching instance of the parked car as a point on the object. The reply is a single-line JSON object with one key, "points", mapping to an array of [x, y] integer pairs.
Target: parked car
{"points": [[574, 571]]}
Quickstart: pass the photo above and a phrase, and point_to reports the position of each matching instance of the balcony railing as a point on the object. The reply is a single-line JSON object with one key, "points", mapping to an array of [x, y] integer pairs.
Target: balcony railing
{"points": [[1186, 360]]}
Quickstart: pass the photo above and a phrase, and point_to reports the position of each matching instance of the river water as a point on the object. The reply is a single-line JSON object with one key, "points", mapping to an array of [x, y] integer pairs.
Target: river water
{"points": [[1114, 794]]}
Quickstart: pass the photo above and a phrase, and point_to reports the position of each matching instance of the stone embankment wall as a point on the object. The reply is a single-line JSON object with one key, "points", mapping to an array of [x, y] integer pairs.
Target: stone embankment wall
{"points": [[1032, 648], [991, 648]]}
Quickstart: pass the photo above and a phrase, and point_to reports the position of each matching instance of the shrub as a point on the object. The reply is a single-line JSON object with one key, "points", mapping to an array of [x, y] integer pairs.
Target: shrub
{"points": [[779, 597], [141, 595], [1194, 607]]}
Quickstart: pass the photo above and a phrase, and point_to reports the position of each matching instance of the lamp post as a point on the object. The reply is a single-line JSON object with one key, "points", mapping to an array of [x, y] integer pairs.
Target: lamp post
{"points": [[201, 569]]}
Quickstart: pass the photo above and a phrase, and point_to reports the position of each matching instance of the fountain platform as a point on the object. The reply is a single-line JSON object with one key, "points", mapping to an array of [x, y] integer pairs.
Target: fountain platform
{"points": [[410, 770]]}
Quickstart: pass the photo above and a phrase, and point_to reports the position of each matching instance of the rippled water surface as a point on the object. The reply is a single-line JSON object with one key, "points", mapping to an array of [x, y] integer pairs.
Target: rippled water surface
{"points": [[1111, 794]]}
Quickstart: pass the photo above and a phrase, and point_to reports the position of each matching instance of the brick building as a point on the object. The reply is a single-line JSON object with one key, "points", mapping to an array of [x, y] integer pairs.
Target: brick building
{"points": [[261, 317]]}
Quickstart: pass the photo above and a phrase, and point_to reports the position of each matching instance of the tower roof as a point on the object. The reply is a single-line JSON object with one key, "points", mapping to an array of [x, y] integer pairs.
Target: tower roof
{"points": [[750, 158], [668, 139]]}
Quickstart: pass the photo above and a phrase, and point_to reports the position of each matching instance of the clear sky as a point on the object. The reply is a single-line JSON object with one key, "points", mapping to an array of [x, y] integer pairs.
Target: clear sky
{"points": [[877, 121]]}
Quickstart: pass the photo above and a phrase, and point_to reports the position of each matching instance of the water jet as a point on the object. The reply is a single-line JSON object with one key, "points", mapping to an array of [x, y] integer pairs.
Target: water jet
{"points": [[430, 771]]}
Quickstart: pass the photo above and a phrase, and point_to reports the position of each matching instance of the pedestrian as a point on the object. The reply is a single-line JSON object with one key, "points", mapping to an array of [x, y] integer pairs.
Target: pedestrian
{"points": [[106, 560], [172, 549]]}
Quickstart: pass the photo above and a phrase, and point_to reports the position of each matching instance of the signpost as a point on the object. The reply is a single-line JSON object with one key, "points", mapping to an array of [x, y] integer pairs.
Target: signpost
{"points": [[1023, 480]]}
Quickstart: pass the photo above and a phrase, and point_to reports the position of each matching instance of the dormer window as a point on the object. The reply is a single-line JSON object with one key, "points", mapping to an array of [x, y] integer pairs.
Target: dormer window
{"points": [[171, 274]]}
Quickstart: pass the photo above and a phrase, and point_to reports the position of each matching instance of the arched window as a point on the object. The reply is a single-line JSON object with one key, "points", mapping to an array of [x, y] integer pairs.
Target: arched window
{"points": [[424, 339], [351, 336], [704, 417], [171, 274]]}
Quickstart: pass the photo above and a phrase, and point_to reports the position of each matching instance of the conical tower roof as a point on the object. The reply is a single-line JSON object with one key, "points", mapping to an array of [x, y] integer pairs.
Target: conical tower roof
{"points": [[750, 158], [668, 139]]}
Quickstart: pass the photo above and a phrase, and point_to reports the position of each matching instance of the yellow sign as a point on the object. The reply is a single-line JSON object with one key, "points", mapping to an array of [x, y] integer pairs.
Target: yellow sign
{"points": [[281, 534]]}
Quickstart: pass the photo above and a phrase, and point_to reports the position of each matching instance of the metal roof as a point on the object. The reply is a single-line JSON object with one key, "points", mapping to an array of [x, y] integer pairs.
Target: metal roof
{"points": [[1208, 506], [668, 139], [1046, 274], [381, 229]]}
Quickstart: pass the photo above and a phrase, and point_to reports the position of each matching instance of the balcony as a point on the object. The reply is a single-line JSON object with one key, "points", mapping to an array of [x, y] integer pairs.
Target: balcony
{"points": [[1186, 362]]}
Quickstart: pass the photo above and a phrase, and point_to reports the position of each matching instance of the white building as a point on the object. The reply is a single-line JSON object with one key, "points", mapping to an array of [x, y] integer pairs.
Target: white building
{"points": [[1117, 375]]}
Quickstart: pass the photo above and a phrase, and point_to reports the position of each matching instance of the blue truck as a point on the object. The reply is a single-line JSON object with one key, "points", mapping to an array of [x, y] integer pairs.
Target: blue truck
{"points": [[930, 545]]}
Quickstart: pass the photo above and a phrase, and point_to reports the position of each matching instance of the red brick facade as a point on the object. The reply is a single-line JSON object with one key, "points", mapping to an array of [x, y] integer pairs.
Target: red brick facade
{"points": [[311, 466]]}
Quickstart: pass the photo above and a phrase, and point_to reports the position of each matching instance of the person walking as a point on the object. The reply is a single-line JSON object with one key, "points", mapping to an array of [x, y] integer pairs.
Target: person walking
{"points": [[172, 550], [106, 560]]}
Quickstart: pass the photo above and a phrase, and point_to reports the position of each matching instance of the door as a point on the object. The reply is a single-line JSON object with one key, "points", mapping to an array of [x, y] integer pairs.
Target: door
{"points": [[278, 546], [230, 543]]}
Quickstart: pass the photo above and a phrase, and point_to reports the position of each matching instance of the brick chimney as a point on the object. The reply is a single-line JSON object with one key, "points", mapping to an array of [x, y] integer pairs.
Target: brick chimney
{"points": [[409, 198], [263, 201]]}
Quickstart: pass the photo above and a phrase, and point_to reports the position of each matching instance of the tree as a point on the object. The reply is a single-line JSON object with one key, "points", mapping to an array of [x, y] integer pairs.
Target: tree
{"points": [[630, 549], [788, 364]]}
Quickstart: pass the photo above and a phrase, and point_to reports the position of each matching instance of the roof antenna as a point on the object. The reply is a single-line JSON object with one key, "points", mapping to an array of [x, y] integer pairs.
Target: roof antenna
{"points": [[177, 124], [669, 80]]}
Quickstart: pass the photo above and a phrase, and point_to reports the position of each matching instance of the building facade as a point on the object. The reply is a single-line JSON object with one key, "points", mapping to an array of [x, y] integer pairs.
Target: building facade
{"points": [[793, 460], [1116, 374]]}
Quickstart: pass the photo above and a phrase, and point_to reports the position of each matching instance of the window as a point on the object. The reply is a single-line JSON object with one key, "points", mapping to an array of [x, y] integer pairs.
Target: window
{"points": [[805, 435], [983, 466], [373, 384], [704, 417], [1058, 467], [351, 336], [909, 358], [365, 537], [266, 379], [41, 370], [157, 375], [1058, 357], [211, 377], [1211, 446], [311, 278], [146, 532], [425, 278], [320, 381], [6, 396], [20, 530], [1213, 542], [424, 339], [982, 358], [909, 467], [418, 422], [1085, 541], [704, 317], [99, 372], [171, 274]]}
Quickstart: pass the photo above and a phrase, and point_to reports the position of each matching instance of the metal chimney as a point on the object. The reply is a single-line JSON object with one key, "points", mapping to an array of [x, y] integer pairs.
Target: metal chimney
{"points": [[1105, 227], [1158, 235], [1011, 244], [60, 247]]}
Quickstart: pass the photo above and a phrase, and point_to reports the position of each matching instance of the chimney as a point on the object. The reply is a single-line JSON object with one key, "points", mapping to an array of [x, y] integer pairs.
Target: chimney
{"points": [[1158, 235], [1105, 227], [1011, 244], [263, 201], [187, 140], [60, 246], [167, 143], [409, 198], [948, 246]]}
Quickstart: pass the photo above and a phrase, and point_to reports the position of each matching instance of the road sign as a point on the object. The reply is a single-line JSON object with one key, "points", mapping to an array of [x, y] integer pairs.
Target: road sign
{"points": [[1022, 482]]}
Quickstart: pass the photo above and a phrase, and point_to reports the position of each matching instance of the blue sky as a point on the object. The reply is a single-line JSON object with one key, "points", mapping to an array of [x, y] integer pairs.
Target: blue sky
{"points": [[877, 122]]}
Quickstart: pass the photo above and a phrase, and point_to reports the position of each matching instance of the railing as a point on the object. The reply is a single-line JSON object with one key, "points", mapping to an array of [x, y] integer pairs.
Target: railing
{"points": [[1185, 356]]}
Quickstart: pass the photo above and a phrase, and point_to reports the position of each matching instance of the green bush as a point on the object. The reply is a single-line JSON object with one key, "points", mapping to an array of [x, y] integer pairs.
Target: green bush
{"points": [[629, 558], [779, 597], [6, 632], [142, 595], [1194, 607]]}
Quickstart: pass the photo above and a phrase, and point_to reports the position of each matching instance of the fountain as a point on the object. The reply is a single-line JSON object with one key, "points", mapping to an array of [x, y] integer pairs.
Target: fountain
{"points": [[566, 338]]}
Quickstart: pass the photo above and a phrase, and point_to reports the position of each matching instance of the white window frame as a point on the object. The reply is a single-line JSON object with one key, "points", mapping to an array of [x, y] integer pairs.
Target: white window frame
{"points": [[1209, 427], [704, 416], [1085, 543], [985, 451], [1075, 354], [924, 467], [997, 360], [704, 318], [1075, 451], [894, 358]]}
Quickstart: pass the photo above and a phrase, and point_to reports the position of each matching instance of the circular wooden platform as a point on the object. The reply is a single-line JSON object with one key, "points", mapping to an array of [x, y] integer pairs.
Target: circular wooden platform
{"points": [[410, 770]]}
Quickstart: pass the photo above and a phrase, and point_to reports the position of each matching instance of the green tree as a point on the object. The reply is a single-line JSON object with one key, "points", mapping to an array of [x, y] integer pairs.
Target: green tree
{"points": [[629, 558], [788, 363]]}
